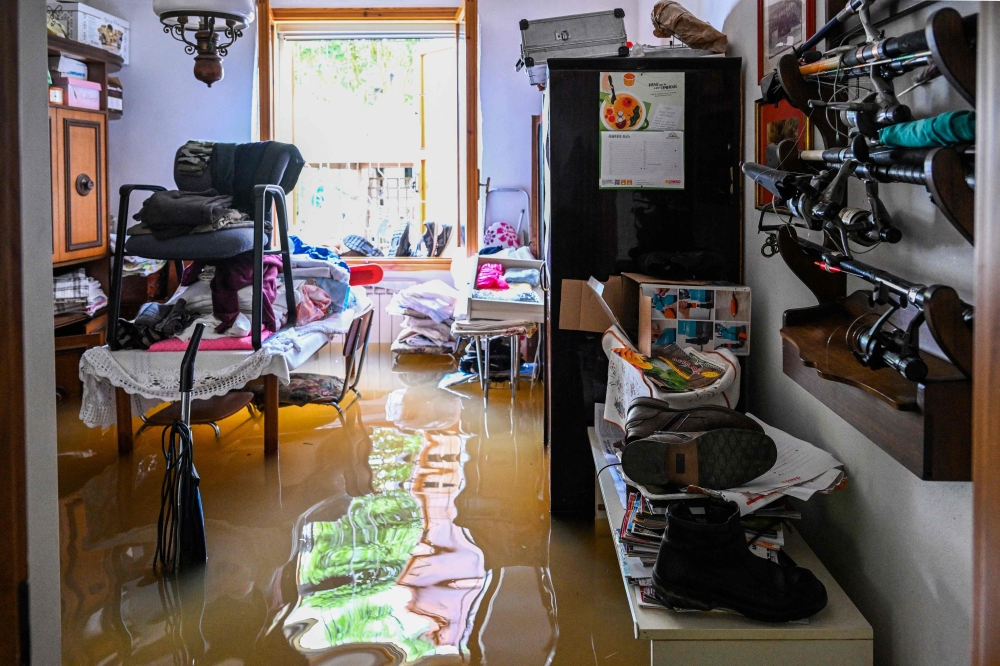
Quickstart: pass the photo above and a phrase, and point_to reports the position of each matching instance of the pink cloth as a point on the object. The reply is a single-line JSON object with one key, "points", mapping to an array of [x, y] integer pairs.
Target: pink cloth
{"points": [[491, 277], [313, 306], [215, 344]]}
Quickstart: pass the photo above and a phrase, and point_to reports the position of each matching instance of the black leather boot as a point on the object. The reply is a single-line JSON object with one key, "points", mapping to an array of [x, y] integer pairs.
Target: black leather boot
{"points": [[649, 415], [717, 459], [704, 564]]}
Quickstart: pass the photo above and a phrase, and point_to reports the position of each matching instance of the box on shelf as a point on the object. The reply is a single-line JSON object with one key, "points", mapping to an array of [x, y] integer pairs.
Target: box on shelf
{"points": [[91, 26], [81, 94], [66, 67], [115, 94], [699, 314], [497, 310], [56, 95]]}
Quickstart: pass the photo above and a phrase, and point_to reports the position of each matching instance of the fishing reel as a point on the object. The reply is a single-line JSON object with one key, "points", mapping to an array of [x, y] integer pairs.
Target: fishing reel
{"points": [[816, 200], [884, 345]]}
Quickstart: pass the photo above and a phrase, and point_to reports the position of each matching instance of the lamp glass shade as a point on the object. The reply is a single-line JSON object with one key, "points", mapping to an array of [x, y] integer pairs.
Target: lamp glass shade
{"points": [[240, 11]]}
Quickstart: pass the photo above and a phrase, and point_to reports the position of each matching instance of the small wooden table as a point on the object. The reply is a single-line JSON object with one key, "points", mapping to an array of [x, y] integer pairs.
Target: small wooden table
{"points": [[836, 636]]}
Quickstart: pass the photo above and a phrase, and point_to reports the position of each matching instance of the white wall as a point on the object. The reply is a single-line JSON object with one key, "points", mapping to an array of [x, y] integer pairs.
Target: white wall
{"points": [[166, 106], [507, 99], [42, 476], [900, 547]]}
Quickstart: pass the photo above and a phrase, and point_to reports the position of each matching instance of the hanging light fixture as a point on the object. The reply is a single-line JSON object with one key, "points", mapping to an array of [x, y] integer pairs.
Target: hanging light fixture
{"points": [[207, 20]]}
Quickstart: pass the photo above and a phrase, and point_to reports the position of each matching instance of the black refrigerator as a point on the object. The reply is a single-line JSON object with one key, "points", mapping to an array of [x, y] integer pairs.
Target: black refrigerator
{"points": [[587, 230]]}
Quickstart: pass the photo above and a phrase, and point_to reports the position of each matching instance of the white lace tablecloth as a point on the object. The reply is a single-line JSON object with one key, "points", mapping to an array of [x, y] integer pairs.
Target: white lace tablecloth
{"points": [[152, 378]]}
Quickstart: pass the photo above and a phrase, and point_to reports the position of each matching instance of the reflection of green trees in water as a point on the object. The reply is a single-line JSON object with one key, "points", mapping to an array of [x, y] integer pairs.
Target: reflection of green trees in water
{"points": [[364, 552]]}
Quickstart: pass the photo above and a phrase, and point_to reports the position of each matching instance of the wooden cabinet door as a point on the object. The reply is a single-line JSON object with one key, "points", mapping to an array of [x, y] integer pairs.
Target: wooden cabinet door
{"points": [[55, 155], [84, 188]]}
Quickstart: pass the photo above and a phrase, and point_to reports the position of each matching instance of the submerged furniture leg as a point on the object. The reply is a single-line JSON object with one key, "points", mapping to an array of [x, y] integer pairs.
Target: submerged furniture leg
{"points": [[514, 376], [270, 414], [486, 372], [123, 406]]}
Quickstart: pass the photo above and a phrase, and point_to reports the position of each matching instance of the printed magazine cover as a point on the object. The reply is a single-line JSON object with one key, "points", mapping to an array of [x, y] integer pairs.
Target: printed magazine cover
{"points": [[673, 369]]}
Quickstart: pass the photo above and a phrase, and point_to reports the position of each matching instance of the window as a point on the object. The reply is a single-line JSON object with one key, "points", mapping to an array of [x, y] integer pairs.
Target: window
{"points": [[375, 111]]}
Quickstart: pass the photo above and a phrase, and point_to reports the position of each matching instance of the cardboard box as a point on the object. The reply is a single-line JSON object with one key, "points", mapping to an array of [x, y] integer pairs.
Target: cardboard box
{"points": [[66, 67], [628, 300], [480, 308], [596, 307], [91, 26], [81, 94]]}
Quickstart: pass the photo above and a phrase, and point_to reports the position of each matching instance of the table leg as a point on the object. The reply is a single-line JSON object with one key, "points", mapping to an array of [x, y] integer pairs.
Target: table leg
{"points": [[123, 407], [477, 340], [270, 414]]}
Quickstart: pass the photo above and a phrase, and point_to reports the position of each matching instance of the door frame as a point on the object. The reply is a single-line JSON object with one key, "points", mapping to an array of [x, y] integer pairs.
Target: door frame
{"points": [[14, 636], [467, 13]]}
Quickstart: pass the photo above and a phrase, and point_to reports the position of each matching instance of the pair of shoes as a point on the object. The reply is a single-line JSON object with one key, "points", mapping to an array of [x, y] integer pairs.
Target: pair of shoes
{"points": [[707, 446], [434, 241], [704, 564]]}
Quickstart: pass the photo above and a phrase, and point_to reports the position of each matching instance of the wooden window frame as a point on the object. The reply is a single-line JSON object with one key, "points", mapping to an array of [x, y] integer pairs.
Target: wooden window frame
{"points": [[268, 16]]}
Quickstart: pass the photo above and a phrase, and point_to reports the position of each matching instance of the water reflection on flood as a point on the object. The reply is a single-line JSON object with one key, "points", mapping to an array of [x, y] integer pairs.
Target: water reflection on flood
{"points": [[399, 535]]}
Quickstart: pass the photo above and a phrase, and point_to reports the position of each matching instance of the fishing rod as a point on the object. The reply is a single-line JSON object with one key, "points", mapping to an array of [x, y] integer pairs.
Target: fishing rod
{"points": [[884, 345]]}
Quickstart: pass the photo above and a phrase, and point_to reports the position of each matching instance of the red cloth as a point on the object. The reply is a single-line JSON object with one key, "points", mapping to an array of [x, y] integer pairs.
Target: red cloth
{"points": [[491, 277], [215, 344], [231, 275]]}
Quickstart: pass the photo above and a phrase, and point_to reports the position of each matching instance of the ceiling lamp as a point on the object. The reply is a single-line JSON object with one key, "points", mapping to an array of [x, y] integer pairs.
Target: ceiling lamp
{"points": [[207, 19]]}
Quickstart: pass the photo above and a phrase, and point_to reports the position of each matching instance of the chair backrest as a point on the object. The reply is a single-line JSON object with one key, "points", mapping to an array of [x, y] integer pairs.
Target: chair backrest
{"points": [[356, 348], [228, 167]]}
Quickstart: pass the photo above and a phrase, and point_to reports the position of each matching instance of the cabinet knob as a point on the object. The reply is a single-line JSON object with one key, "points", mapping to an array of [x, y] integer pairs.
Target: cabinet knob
{"points": [[84, 184]]}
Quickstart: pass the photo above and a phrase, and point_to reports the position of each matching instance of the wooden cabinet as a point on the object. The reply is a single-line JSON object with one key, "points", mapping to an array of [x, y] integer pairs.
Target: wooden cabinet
{"points": [[79, 184]]}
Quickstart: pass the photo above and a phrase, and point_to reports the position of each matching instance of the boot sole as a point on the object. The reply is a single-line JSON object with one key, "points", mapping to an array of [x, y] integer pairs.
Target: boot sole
{"points": [[664, 408], [718, 459], [678, 597]]}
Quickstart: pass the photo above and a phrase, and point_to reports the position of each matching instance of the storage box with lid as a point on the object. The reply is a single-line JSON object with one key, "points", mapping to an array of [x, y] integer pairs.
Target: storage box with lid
{"points": [[80, 94], [598, 34], [505, 310], [88, 25]]}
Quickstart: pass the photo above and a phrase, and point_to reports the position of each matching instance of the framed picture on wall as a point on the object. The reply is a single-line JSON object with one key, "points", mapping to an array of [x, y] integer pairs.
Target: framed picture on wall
{"points": [[781, 26], [773, 123]]}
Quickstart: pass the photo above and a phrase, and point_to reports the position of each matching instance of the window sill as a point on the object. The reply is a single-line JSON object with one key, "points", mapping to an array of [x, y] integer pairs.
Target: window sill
{"points": [[403, 263]]}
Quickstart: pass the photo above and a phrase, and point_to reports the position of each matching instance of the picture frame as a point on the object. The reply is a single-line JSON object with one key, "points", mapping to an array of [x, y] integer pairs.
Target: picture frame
{"points": [[781, 26], [773, 123]]}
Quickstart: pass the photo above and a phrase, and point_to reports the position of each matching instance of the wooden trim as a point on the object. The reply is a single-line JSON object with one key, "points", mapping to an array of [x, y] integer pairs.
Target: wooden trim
{"points": [[14, 637], [471, 13], [403, 263], [265, 102], [69, 186], [986, 353], [396, 14]]}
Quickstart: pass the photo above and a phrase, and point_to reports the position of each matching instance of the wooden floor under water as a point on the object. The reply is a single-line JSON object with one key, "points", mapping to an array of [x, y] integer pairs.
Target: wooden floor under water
{"points": [[415, 531]]}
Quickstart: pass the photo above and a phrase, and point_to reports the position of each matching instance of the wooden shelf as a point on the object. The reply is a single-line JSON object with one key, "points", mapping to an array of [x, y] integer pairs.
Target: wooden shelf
{"points": [[838, 634], [85, 52], [926, 426]]}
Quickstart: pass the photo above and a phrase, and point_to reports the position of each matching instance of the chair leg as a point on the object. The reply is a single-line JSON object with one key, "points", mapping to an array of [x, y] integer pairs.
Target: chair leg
{"points": [[123, 408], [514, 363], [270, 414]]}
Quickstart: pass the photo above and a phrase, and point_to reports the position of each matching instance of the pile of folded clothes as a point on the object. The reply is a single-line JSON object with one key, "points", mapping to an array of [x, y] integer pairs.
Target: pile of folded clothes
{"points": [[428, 312], [323, 268], [76, 293], [514, 285], [221, 297]]}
